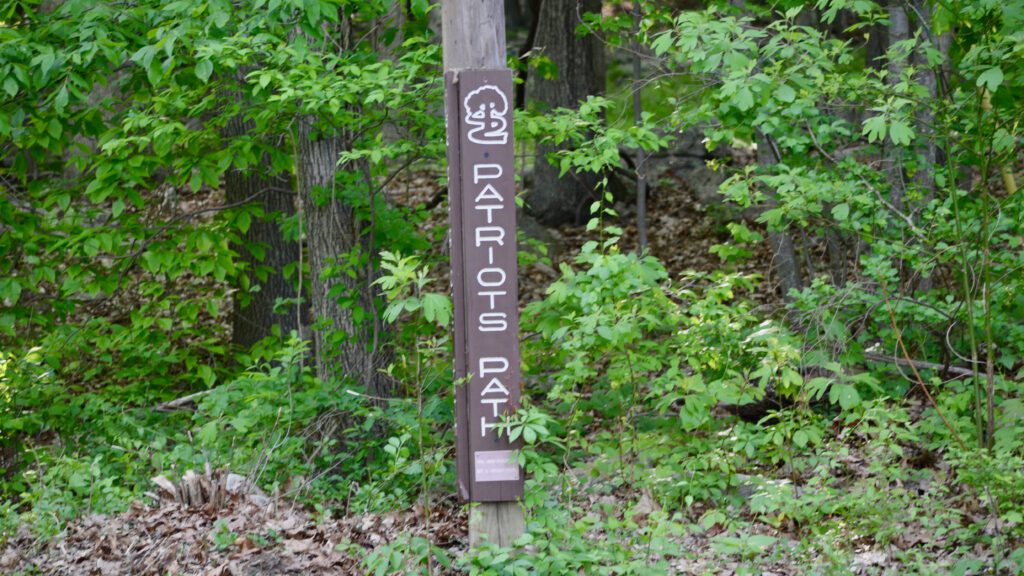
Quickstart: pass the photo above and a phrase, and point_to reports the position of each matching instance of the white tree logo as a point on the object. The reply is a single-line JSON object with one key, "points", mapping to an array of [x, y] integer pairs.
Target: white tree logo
{"points": [[486, 110]]}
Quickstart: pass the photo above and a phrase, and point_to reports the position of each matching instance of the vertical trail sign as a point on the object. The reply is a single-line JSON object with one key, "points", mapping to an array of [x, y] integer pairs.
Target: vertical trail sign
{"points": [[481, 192]]}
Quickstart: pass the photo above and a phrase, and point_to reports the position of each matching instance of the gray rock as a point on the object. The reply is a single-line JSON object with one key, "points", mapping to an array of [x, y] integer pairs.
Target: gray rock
{"points": [[531, 229], [705, 183]]}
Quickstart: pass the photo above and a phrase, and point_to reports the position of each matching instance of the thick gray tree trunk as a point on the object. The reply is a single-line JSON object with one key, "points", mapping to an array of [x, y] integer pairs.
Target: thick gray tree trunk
{"points": [[253, 317], [347, 330], [580, 64]]}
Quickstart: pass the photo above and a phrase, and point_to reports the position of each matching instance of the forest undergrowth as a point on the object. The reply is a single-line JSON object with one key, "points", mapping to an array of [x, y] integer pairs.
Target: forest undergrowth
{"points": [[226, 330]]}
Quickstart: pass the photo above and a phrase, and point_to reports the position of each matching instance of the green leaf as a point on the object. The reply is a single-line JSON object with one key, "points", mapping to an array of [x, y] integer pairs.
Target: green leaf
{"points": [[419, 8], [901, 133], [243, 221], [845, 395], [196, 181], [760, 541], [785, 93], [800, 438], [437, 308], [1002, 141], [53, 128], [991, 79], [393, 311], [11, 86], [662, 43], [10, 291], [46, 62], [841, 211], [207, 435], [744, 99], [204, 68], [529, 435], [61, 101], [875, 128]]}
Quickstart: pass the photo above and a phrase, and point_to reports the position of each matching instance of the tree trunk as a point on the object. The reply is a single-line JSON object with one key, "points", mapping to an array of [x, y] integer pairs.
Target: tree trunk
{"points": [[899, 31], [924, 176], [785, 264], [523, 74], [874, 48], [638, 111], [929, 77], [580, 73], [515, 17], [253, 317], [837, 258], [347, 330]]}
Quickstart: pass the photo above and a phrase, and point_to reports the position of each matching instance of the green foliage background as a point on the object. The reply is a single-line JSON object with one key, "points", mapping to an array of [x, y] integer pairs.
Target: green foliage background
{"points": [[112, 299]]}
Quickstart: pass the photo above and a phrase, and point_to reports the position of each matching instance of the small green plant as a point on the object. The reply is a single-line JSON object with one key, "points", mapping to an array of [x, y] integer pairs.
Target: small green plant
{"points": [[407, 555], [222, 536], [745, 546]]}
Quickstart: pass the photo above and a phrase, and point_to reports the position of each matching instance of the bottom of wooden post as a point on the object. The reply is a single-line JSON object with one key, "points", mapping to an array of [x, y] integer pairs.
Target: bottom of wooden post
{"points": [[498, 522]]}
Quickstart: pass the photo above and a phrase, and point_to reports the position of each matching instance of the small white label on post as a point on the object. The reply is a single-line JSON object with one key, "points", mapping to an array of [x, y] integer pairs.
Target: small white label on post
{"points": [[496, 465]]}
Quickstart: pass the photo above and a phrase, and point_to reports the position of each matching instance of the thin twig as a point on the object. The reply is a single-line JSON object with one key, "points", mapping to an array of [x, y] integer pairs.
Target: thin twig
{"points": [[920, 381]]}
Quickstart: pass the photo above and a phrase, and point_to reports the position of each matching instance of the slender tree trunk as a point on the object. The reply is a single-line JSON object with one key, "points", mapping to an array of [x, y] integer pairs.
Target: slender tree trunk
{"points": [[785, 264], [899, 31], [809, 16], [523, 73], [924, 176], [836, 249], [874, 48], [515, 17], [253, 314], [929, 153], [638, 110], [580, 73]]}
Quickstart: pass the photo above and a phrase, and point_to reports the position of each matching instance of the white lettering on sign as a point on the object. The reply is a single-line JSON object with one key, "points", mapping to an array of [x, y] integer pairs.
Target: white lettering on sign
{"points": [[496, 465], [488, 199], [490, 234], [486, 172], [490, 210], [486, 365], [493, 322], [486, 281], [495, 387], [488, 193], [490, 277]]}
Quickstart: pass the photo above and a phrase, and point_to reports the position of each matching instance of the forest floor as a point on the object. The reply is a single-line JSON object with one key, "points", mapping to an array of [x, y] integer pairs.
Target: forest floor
{"points": [[250, 535], [245, 532]]}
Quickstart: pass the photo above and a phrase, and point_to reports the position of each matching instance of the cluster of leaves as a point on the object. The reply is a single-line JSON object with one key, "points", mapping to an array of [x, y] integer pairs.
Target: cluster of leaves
{"points": [[118, 256], [113, 117], [640, 368], [784, 85]]}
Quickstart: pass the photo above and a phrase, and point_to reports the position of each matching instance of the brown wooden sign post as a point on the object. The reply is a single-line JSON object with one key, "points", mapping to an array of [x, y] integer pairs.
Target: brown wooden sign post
{"points": [[481, 192]]}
